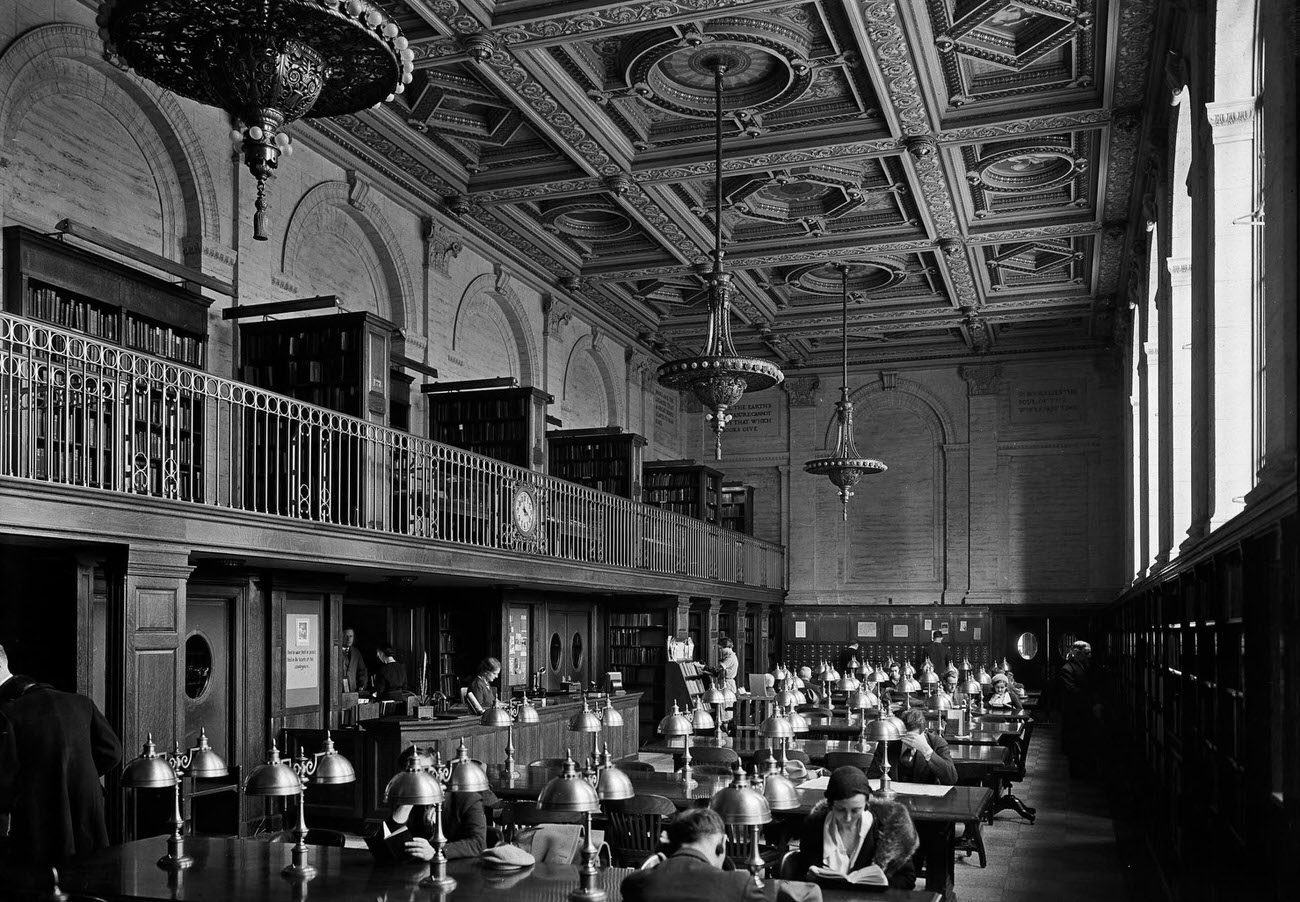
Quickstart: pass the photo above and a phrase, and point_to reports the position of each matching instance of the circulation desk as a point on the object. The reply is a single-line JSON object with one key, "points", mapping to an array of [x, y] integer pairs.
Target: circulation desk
{"points": [[249, 871]]}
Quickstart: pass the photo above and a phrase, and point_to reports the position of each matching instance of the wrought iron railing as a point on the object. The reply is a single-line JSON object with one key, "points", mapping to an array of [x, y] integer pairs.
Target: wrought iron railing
{"points": [[80, 412]]}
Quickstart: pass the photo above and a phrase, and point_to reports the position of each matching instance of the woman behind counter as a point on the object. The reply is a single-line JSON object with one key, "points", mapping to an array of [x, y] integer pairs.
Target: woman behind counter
{"points": [[481, 695]]}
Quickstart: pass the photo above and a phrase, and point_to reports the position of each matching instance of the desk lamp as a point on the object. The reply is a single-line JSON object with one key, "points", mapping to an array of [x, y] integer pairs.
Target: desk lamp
{"points": [[885, 728], [718, 699], [418, 786], [678, 724], [500, 716], [779, 728], [157, 771], [786, 698], [861, 701], [612, 783], [984, 678], [798, 722], [972, 690], [740, 805], [569, 792], [276, 778], [586, 721], [700, 718], [460, 774]]}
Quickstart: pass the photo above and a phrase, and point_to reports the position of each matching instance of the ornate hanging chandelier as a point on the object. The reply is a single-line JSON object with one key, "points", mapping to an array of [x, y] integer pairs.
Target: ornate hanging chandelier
{"points": [[719, 377], [265, 62], [847, 466]]}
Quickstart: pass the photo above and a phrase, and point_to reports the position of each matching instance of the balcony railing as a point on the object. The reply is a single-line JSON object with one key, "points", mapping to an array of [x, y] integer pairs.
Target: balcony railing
{"points": [[80, 412]]}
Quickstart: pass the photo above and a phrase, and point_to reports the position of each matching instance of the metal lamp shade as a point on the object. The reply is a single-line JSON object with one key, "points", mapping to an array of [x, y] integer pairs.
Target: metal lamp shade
{"points": [[777, 727], [787, 699], [413, 787], [983, 676], [911, 685], [150, 770], [466, 775], [846, 683], [714, 696], [609, 714], [929, 677], [584, 721], [527, 714], [728, 695], [970, 687], [823, 672], [613, 784], [798, 723], [740, 805], [884, 729], [780, 792], [204, 761], [701, 719], [941, 703], [569, 792], [274, 778], [861, 700], [675, 724], [496, 716]]}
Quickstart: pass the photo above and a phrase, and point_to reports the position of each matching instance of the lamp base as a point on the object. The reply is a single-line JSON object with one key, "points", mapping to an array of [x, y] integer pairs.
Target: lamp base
{"points": [[171, 862], [298, 871], [591, 894], [883, 793], [443, 884]]}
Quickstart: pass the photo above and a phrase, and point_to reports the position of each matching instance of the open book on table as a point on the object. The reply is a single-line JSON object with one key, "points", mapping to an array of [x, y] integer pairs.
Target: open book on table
{"points": [[871, 875], [388, 844]]}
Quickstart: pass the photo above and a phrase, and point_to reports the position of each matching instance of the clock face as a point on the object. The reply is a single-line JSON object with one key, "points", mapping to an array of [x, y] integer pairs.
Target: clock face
{"points": [[525, 510]]}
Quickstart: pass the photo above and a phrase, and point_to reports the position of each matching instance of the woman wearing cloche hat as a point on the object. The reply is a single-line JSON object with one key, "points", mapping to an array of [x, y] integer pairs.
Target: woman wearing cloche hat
{"points": [[849, 831]]}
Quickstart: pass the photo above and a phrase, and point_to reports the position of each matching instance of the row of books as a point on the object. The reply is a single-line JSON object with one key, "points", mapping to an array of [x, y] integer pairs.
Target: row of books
{"points": [[456, 433], [637, 619], [70, 311], [282, 373], [632, 636], [164, 341], [306, 342], [623, 656]]}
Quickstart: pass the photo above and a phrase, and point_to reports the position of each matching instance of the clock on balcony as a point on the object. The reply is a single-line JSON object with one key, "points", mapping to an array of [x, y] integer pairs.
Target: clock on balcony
{"points": [[524, 510]]}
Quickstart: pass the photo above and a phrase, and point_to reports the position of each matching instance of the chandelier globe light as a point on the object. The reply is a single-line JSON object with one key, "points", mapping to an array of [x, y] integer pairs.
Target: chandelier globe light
{"points": [[847, 466], [264, 62], [719, 377]]}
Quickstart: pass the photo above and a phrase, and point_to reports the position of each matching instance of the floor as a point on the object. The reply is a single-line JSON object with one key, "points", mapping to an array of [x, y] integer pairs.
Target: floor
{"points": [[1080, 847]]}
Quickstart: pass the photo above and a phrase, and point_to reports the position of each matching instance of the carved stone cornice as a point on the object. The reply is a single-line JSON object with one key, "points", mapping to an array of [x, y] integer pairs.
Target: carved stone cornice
{"points": [[440, 247], [1232, 120]]}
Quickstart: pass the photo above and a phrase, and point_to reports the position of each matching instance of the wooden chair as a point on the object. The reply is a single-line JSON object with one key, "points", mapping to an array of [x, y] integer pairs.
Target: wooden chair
{"points": [[860, 760], [550, 762], [636, 767], [760, 757], [711, 770], [528, 814], [634, 828], [1013, 773], [713, 755], [738, 851]]}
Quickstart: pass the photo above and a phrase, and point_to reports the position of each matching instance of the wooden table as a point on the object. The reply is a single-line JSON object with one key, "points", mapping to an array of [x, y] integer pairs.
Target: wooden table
{"points": [[248, 871], [974, 762], [960, 805]]}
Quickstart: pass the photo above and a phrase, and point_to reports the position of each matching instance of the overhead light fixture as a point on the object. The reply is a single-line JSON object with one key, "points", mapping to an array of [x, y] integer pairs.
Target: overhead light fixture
{"points": [[719, 377], [847, 466], [265, 62]]}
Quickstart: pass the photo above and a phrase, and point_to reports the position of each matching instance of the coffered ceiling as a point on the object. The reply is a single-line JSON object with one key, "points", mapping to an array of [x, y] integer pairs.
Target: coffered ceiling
{"points": [[972, 162]]}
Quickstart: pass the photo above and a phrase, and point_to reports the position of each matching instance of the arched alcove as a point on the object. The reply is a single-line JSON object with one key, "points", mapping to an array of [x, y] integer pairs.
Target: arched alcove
{"points": [[334, 247], [134, 162], [588, 398], [491, 332]]}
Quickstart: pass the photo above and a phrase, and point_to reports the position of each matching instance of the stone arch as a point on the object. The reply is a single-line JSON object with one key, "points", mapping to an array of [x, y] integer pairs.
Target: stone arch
{"points": [[587, 344], [906, 395], [381, 250], [63, 60], [487, 287]]}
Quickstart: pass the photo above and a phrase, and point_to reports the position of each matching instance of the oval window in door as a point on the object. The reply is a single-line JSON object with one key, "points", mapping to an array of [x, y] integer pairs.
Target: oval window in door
{"points": [[557, 652], [198, 666], [1027, 646], [577, 652]]}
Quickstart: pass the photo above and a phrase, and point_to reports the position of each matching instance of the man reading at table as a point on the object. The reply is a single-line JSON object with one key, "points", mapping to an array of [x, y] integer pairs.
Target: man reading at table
{"points": [[852, 837], [922, 756], [693, 872]]}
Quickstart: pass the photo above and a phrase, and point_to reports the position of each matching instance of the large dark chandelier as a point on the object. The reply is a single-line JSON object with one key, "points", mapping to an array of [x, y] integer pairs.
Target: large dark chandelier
{"points": [[265, 62], [847, 466], [719, 377]]}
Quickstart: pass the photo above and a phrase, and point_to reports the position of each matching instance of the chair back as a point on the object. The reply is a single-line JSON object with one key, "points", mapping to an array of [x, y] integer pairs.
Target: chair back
{"points": [[711, 770], [738, 842], [860, 760], [548, 762], [528, 814], [637, 766], [634, 828], [711, 755]]}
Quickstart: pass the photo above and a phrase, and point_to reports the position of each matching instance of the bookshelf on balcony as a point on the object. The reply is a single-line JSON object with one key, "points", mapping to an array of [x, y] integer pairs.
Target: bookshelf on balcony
{"points": [[608, 460], [340, 361], [91, 422], [638, 647], [738, 508], [504, 423], [683, 486]]}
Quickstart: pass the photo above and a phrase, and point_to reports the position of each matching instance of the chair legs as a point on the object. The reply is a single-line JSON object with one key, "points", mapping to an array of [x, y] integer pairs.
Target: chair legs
{"points": [[972, 840]]}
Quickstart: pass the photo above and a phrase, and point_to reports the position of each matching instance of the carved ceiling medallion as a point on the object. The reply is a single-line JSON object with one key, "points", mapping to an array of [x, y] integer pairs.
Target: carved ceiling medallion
{"points": [[766, 68], [587, 221], [1026, 169], [865, 276]]}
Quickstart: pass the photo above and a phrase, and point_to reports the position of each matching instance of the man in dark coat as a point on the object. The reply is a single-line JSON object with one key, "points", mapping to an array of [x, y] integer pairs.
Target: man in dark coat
{"points": [[693, 873], [922, 756], [1079, 709], [54, 747]]}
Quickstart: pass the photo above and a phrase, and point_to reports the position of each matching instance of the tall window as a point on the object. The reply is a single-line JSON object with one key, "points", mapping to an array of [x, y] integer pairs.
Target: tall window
{"points": [[1179, 305]]}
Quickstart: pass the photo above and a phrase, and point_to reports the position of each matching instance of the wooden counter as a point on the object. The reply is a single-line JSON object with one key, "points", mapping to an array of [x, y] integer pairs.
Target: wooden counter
{"points": [[374, 747]]}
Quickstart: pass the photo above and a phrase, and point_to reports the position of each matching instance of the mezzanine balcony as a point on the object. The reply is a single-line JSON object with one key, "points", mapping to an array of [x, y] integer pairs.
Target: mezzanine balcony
{"points": [[85, 415]]}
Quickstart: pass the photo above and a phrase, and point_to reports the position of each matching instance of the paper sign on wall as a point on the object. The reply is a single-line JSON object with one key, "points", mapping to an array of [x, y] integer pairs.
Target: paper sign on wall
{"points": [[900, 630], [977, 634], [961, 626], [801, 629], [301, 660], [866, 629], [928, 625]]}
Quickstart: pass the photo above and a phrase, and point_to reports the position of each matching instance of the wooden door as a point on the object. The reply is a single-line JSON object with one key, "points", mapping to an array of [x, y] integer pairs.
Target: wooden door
{"points": [[568, 646], [209, 672]]}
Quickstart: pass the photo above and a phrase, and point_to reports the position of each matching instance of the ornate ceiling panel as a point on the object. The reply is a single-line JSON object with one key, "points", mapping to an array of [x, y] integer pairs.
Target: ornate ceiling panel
{"points": [[971, 160]]}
